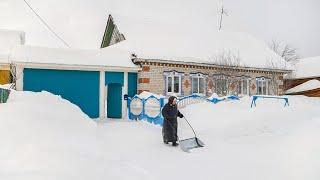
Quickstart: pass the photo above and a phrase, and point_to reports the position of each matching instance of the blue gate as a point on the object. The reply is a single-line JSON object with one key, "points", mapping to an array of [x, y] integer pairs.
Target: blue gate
{"points": [[148, 109]]}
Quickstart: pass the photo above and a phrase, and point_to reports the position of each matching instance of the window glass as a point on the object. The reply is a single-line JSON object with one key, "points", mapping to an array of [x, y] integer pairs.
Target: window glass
{"points": [[169, 84], [176, 84]]}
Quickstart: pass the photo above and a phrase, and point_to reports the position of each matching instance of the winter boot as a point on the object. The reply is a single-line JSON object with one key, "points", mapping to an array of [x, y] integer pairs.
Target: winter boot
{"points": [[165, 141], [175, 144]]}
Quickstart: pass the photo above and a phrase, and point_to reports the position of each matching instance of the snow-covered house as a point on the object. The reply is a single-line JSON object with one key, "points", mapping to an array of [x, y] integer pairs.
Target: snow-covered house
{"points": [[94, 80], [305, 80], [165, 36], [8, 39], [184, 60]]}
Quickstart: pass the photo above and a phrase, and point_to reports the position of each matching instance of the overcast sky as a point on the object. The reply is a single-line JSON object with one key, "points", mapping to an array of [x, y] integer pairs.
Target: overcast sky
{"points": [[296, 22]]}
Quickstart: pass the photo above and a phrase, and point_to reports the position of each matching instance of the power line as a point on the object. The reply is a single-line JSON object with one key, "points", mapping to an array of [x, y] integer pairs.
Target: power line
{"points": [[46, 24]]}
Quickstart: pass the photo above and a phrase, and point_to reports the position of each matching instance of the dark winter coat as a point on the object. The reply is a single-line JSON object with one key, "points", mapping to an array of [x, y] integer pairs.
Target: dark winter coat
{"points": [[170, 113]]}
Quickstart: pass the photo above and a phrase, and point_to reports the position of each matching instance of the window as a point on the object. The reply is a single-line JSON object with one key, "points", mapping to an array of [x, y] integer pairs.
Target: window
{"points": [[243, 86], [262, 86], [221, 84], [173, 82], [198, 85]]}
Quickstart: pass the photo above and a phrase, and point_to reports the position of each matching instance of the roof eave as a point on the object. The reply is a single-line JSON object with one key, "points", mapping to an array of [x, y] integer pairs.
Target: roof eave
{"points": [[139, 60], [77, 67], [298, 78]]}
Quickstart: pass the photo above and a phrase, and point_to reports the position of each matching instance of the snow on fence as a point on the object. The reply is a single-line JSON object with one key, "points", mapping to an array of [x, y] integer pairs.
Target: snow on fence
{"points": [[188, 100], [149, 108], [146, 109]]}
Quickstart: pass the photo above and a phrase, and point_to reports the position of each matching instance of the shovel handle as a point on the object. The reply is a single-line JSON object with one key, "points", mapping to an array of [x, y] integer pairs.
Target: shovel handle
{"points": [[195, 135]]}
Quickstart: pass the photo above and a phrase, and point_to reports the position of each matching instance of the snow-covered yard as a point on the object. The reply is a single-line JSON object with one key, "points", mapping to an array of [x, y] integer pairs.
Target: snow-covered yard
{"points": [[45, 137]]}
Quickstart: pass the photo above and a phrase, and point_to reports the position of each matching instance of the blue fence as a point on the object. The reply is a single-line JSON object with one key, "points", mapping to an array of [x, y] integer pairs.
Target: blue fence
{"points": [[219, 99], [149, 109]]}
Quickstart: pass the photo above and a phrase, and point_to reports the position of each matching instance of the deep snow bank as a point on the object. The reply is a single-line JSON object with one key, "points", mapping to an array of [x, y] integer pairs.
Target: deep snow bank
{"points": [[46, 137]]}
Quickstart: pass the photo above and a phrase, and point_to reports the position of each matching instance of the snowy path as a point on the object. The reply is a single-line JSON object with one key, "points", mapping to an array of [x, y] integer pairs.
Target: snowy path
{"points": [[60, 142]]}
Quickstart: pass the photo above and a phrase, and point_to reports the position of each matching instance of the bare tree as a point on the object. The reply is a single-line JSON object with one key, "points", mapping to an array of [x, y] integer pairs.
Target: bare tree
{"points": [[226, 81], [15, 75], [286, 51]]}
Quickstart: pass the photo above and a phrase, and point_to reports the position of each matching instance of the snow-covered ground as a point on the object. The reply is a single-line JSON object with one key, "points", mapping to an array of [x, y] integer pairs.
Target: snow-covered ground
{"points": [[45, 137]]}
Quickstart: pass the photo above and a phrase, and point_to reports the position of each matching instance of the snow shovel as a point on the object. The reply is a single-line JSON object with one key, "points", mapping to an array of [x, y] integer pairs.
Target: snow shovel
{"points": [[190, 143]]}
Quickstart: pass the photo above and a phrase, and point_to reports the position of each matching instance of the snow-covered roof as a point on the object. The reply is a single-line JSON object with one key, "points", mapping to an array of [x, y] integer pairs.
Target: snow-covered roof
{"points": [[159, 29], [307, 86], [183, 36], [204, 48], [8, 39], [107, 57], [307, 68]]}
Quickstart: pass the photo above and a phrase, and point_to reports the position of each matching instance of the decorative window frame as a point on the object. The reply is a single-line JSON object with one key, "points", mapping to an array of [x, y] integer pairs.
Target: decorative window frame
{"points": [[173, 74], [220, 76], [263, 79], [199, 76], [244, 78]]}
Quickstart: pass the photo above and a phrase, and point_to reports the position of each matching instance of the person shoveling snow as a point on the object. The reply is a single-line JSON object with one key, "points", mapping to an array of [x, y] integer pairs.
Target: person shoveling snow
{"points": [[170, 113]]}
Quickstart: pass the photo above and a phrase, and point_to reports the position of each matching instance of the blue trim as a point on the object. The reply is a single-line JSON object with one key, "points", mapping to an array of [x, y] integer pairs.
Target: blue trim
{"points": [[79, 87], [132, 84], [114, 77]]}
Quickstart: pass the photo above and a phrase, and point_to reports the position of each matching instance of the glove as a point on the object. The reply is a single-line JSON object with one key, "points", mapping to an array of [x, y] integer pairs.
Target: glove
{"points": [[181, 115]]}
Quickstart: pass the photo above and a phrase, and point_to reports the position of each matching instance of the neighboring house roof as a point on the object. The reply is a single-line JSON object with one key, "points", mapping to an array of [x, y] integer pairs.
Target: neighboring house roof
{"points": [[9, 39], [307, 68], [307, 86], [108, 58]]}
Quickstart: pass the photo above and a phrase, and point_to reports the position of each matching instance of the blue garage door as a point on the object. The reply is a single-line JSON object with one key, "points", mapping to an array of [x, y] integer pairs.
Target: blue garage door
{"points": [[79, 87]]}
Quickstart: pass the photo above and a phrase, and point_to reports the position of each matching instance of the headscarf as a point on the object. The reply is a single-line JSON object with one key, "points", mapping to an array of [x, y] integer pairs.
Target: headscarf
{"points": [[171, 98]]}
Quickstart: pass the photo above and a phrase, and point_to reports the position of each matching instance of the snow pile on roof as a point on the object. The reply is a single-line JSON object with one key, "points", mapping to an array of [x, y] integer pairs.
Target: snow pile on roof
{"points": [[9, 39], [6, 86], [308, 67], [309, 85], [146, 94], [203, 48], [111, 57], [173, 34]]}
